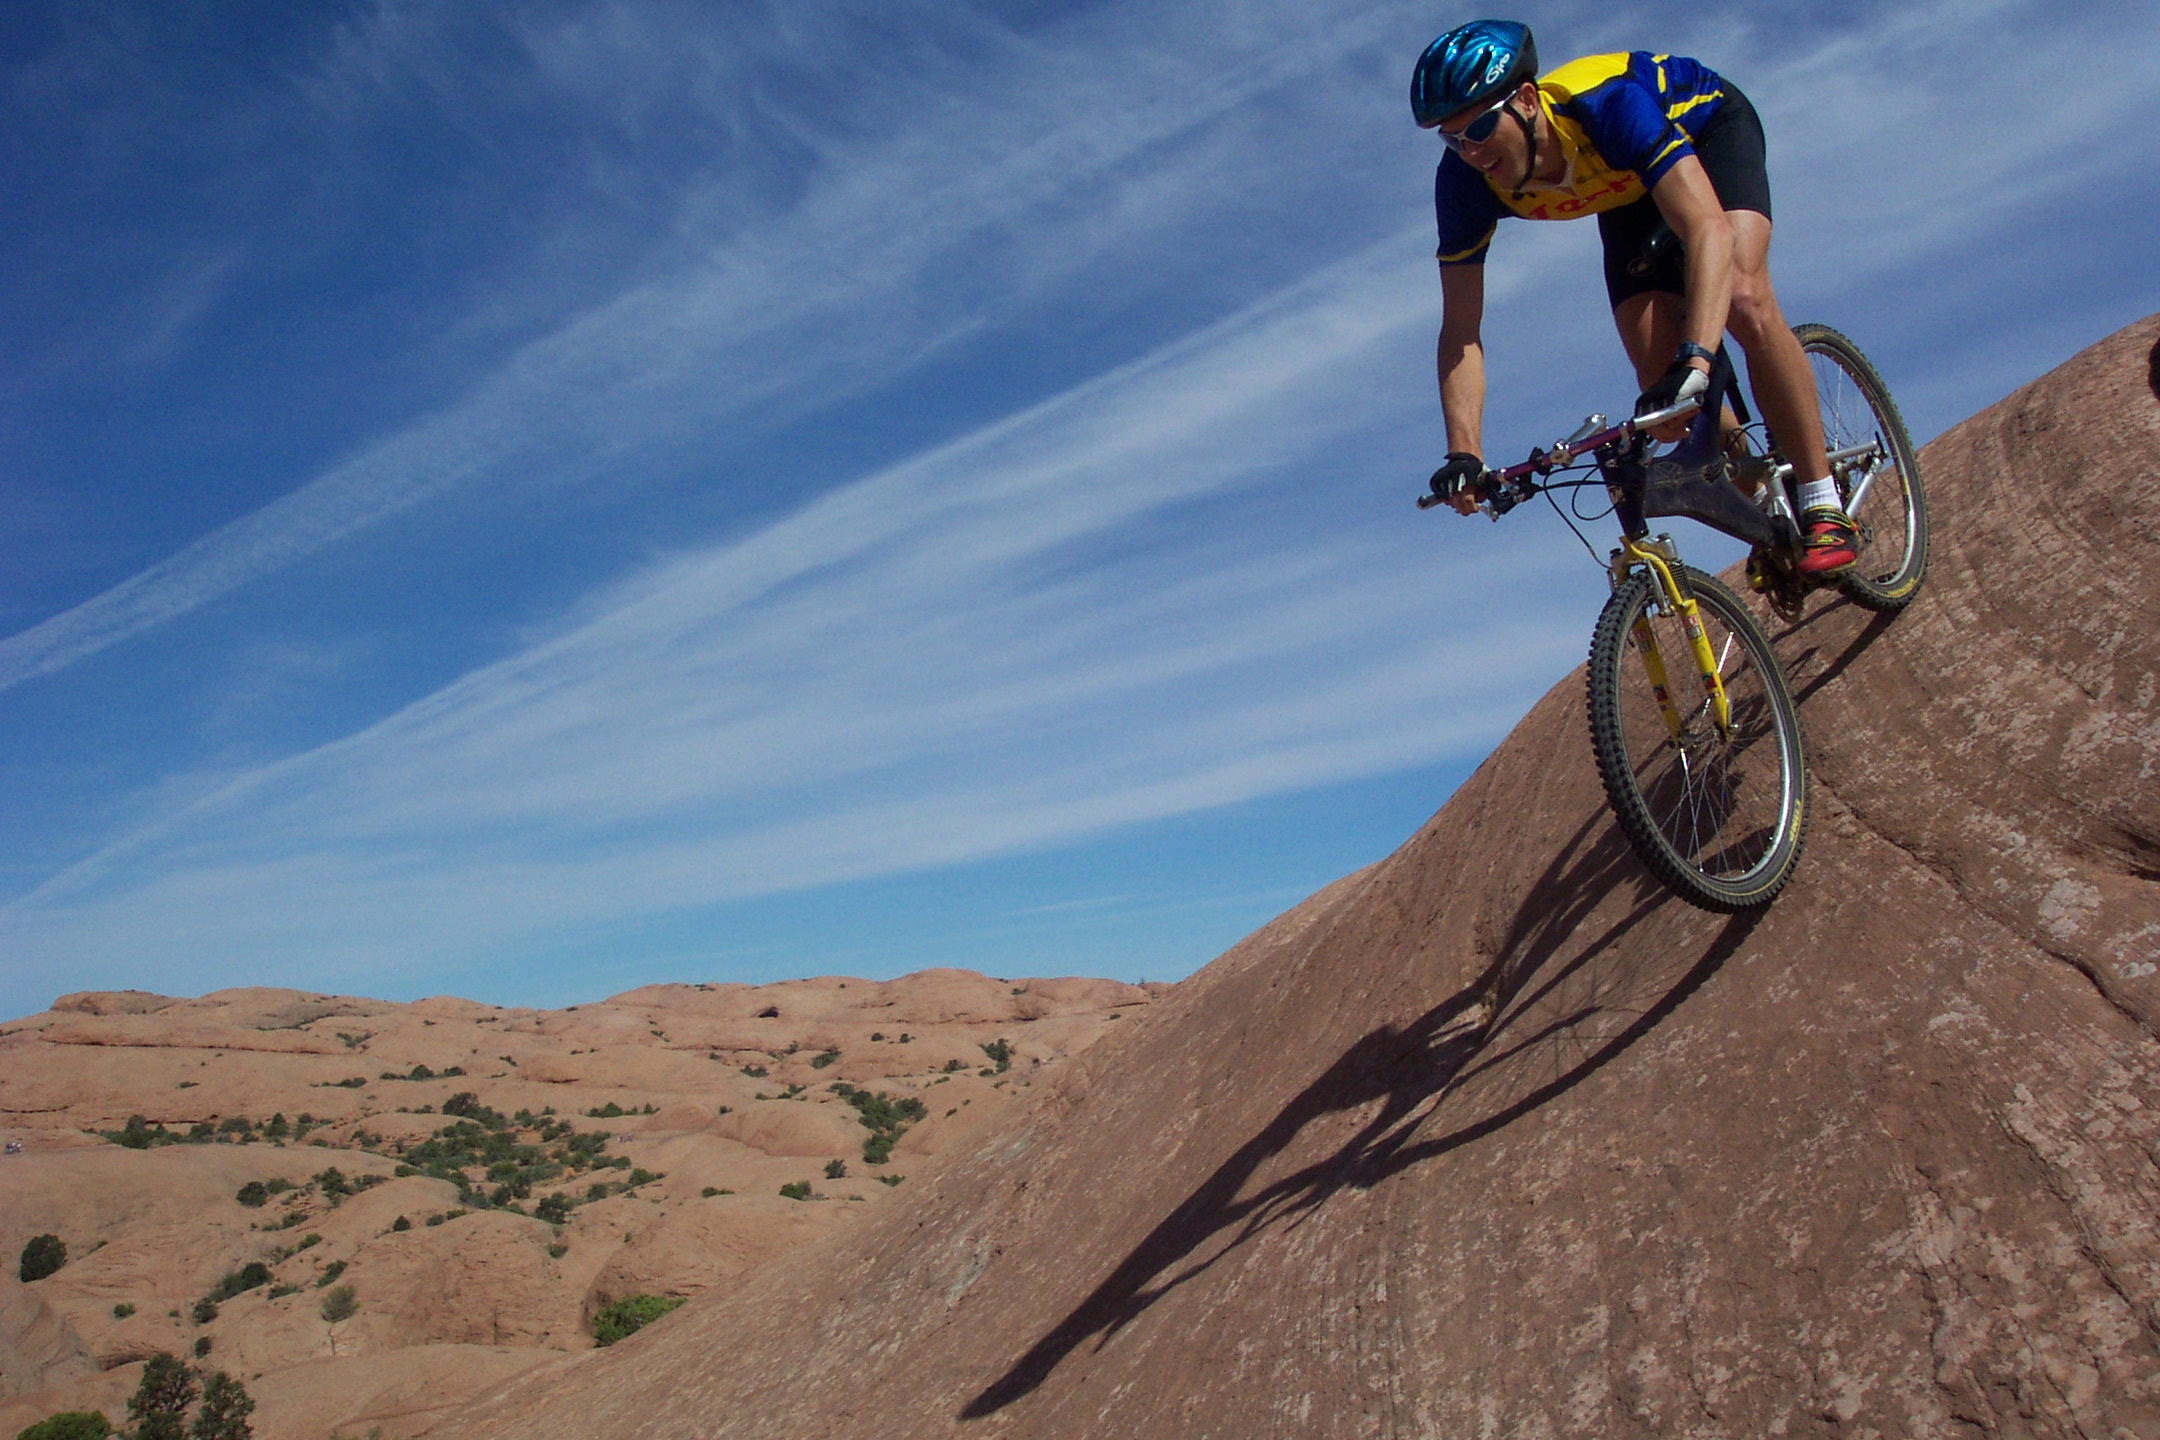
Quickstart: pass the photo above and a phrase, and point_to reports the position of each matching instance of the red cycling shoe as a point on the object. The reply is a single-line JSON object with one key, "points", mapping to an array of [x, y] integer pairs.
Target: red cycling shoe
{"points": [[1832, 545]]}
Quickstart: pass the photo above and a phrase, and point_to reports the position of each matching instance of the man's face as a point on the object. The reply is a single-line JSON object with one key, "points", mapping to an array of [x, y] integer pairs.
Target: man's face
{"points": [[1504, 150]]}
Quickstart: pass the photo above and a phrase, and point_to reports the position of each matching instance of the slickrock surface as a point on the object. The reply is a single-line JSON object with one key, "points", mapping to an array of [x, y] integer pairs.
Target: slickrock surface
{"points": [[725, 1088], [1878, 1162]]}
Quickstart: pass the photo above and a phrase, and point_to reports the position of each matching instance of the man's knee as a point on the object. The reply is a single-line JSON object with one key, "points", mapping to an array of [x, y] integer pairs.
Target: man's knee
{"points": [[1755, 312]]}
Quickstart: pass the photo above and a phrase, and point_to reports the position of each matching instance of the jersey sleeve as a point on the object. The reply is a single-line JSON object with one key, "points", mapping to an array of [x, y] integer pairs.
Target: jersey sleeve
{"points": [[1630, 129], [1467, 211]]}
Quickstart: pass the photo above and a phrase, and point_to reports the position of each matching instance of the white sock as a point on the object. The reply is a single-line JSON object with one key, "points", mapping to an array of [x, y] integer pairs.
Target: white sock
{"points": [[1819, 495]]}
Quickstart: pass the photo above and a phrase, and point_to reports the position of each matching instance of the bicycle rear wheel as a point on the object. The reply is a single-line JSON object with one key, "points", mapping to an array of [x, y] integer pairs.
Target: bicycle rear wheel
{"points": [[1719, 818], [1891, 517]]}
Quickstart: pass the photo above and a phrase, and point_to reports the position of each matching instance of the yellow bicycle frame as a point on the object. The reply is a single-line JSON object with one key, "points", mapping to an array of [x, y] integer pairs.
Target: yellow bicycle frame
{"points": [[1630, 554]]}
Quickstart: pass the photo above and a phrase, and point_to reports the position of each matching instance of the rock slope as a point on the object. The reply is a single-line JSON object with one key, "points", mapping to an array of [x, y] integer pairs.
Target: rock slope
{"points": [[1880, 1161]]}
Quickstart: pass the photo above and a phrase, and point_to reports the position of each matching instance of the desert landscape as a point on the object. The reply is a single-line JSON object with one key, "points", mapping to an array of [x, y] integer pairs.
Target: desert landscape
{"points": [[485, 1180]]}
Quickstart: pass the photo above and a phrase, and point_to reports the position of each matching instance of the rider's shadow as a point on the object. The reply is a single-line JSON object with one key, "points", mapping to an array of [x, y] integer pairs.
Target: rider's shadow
{"points": [[1563, 1005]]}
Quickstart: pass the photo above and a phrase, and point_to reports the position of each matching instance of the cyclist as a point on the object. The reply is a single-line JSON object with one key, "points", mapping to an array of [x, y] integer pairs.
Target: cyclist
{"points": [[1634, 139]]}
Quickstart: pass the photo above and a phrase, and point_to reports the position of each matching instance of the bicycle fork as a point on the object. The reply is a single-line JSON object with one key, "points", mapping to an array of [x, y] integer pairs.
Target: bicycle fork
{"points": [[1655, 556]]}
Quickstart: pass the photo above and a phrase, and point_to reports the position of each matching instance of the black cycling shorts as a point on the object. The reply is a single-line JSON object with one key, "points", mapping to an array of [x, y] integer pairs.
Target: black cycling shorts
{"points": [[1731, 150]]}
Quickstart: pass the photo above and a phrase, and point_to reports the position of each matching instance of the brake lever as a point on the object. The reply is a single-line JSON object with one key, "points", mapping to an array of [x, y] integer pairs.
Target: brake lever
{"points": [[1680, 411]]}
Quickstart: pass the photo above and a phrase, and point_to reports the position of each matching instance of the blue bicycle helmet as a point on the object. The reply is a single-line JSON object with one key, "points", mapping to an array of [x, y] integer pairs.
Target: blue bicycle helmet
{"points": [[1479, 61]]}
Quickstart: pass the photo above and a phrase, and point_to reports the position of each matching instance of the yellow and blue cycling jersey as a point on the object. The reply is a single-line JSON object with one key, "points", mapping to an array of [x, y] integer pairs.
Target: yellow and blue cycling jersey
{"points": [[1622, 121]]}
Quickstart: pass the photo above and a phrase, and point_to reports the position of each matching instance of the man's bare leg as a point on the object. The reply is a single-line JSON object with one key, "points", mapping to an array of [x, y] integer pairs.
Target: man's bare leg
{"points": [[1652, 325], [1778, 373]]}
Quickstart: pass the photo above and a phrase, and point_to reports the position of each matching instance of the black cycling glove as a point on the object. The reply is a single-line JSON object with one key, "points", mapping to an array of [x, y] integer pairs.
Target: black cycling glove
{"points": [[1458, 476], [1682, 382]]}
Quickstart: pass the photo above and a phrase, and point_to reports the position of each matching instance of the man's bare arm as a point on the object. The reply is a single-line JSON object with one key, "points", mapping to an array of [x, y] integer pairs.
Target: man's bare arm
{"points": [[1461, 356], [1690, 206]]}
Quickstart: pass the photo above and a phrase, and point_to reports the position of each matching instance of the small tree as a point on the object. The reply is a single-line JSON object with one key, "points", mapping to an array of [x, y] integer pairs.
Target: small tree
{"points": [[42, 1256], [159, 1405], [225, 1408], [627, 1317], [836, 1169], [340, 1304], [69, 1425]]}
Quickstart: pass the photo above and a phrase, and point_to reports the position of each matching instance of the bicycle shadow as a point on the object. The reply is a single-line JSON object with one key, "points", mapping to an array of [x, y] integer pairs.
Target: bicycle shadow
{"points": [[1439, 1083], [1823, 654]]}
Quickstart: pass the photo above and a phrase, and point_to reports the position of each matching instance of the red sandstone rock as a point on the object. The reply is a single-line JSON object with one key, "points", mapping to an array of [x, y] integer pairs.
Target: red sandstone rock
{"points": [[1877, 1162]]}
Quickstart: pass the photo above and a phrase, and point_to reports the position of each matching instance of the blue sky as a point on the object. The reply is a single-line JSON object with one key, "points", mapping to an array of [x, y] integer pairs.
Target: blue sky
{"points": [[525, 500]]}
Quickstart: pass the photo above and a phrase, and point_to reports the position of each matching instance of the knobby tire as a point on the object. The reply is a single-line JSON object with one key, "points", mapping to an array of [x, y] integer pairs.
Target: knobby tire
{"points": [[1893, 523], [1720, 820]]}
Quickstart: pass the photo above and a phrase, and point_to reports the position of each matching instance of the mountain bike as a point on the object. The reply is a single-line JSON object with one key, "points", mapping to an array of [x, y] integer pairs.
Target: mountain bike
{"points": [[1712, 789]]}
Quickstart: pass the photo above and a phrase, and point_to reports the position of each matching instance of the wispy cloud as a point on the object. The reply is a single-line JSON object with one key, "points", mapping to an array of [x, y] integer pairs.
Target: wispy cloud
{"points": [[1033, 633], [819, 303]]}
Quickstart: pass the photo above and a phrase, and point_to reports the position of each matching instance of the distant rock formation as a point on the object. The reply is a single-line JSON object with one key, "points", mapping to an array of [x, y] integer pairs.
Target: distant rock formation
{"points": [[633, 1146]]}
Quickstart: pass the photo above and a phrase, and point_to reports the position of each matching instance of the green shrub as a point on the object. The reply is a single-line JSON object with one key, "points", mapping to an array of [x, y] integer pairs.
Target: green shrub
{"points": [[340, 1304], [836, 1169], [246, 1278], [886, 1119], [824, 1058], [954, 1067], [122, 1310], [41, 1257], [329, 1274], [279, 1292], [709, 1191], [467, 1104], [401, 1223], [254, 1195], [756, 1072], [202, 1346], [69, 1425], [627, 1317], [159, 1405], [205, 1311], [641, 1176], [890, 1180], [554, 1209], [606, 1112], [225, 1408], [800, 1190], [1000, 1053], [140, 1134]]}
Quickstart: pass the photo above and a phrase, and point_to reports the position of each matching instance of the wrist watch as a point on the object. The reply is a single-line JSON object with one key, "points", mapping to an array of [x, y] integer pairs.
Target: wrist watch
{"points": [[1689, 350]]}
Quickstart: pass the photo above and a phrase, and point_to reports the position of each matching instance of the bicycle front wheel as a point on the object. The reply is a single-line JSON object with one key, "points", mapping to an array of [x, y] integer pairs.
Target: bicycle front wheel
{"points": [[1719, 817], [1890, 513]]}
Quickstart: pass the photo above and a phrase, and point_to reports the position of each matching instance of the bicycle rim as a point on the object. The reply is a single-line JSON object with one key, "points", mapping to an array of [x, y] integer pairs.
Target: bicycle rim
{"points": [[1719, 818], [1891, 518]]}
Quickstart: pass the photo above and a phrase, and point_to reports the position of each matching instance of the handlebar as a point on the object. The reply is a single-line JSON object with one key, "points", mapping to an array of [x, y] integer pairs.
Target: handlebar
{"points": [[1500, 491]]}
